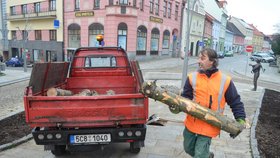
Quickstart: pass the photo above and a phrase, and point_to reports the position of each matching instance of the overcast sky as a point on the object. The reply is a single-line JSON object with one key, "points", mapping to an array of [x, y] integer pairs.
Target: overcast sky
{"points": [[262, 13]]}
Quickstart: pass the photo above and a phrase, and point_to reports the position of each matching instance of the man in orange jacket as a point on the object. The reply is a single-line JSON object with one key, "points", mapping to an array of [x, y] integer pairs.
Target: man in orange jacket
{"points": [[212, 89]]}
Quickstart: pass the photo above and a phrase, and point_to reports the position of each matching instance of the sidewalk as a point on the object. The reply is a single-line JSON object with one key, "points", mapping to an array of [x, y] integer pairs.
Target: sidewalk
{"points": [[163, 141]]}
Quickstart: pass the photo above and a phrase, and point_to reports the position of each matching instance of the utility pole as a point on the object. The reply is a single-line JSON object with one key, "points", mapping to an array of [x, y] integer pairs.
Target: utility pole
{"points": [[186, 59]]}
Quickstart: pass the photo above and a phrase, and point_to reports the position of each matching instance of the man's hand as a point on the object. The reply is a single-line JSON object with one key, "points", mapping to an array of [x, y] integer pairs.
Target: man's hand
{"points": [[245, 122], [241, 121]]}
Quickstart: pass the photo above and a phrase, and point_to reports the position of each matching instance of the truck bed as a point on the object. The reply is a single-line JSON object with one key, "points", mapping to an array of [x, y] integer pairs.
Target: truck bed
{"points": [[86, 111], [126, 106]]}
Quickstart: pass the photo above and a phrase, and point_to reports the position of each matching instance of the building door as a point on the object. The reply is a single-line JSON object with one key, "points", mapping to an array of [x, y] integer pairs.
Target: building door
{"points": [[154, 41], [191, 50], [141, 40]]}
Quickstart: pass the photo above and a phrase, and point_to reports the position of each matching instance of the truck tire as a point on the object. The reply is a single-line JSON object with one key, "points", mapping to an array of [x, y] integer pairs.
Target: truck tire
{"points": [[59, 150], [134, 148]]}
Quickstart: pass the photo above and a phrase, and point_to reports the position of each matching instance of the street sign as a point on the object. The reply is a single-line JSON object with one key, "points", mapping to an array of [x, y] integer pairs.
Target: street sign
{"points": [[56, 24], [249, 48], [201, 43]]}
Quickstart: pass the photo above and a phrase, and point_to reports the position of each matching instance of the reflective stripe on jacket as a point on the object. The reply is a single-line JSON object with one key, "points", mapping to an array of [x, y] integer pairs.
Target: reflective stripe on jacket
{"points": [[210, 93]]}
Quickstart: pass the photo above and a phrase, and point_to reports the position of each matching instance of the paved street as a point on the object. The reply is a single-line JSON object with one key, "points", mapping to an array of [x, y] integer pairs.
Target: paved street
{"points": [[165, 141]]}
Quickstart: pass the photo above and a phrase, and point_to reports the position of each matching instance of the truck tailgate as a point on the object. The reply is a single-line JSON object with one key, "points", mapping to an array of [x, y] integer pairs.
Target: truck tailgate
{"points": [[86, 111]]}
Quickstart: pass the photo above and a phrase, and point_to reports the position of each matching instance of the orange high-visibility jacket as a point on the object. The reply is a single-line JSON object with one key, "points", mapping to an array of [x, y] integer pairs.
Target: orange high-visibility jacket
{"points": [[208, 92]]}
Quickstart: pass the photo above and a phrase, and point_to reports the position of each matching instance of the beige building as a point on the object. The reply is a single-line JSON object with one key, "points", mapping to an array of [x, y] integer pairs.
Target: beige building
{"points": [[258, 39], [35, 28]]}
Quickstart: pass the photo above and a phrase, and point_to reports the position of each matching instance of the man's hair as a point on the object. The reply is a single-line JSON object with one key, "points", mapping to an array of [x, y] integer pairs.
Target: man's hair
{"points": [[212, 55]]}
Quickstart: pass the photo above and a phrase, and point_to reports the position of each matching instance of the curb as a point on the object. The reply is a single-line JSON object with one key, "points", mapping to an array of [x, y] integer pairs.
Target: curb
{"points": [[16, 142], [253, 140]]}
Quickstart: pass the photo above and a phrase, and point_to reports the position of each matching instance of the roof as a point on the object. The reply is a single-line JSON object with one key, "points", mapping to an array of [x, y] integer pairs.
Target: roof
{"points": [[244, 23], [256, 31], [231, 27]]}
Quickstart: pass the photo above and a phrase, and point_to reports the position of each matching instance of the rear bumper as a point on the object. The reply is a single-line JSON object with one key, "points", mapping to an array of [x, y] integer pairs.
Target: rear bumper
{"points": [[65, 135]]}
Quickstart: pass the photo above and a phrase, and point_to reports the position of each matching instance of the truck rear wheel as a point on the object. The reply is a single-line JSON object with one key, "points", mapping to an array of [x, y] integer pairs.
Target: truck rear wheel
{"points": [[59, 150], [134, 148]]}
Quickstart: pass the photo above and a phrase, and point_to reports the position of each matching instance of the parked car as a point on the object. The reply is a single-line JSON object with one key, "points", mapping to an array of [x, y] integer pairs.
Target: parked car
{"points": [[14, 62], [229, 54], [221, 54], [263, 57]]}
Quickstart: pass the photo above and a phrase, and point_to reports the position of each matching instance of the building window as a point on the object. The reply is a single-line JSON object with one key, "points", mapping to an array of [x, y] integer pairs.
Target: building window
{"points": [[52, 35], [141, 4], [156, 7], [122, 35], [52, 5], [94, 30], [38, 55], [154, 41], [151, 6], [169, 10], [134, 3], [165, 41], [36, 7], [74, 36], [111, 2], [14, 35], [176, 11], [123, 2], [13, 10], [24, 35], [38, 35], [24, 9], [164, 8], [96, 4], [51, 56], [77, 4], [141, 40]]}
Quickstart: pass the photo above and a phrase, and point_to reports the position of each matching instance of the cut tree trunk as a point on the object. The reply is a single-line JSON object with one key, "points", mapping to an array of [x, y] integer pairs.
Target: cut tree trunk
{"points": [[58, 92], [85, 92], [185, 105]]}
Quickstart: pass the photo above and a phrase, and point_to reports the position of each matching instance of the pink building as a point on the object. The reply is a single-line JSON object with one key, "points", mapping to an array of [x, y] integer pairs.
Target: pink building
{"points": [[208, 27], [144, 28], [238, 38]]}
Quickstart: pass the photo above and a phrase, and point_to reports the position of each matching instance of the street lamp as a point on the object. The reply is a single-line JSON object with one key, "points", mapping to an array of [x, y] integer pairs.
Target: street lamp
{"points": [[189, 21]]}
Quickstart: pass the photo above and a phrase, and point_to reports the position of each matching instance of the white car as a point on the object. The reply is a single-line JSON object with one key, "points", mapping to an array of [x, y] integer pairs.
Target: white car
{"points": [[263, 57]]}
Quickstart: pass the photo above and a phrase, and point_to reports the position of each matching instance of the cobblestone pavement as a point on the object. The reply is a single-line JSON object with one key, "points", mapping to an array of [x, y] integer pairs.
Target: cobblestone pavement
{"points": [[11, 99]]}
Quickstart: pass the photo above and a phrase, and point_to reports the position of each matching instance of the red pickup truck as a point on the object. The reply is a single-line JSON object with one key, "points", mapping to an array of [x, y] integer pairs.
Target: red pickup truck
{"points": [[61, 123]]}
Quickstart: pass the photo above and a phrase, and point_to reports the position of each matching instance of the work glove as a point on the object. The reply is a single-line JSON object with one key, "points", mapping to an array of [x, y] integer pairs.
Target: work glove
{"points": [[174, 109], [242, 122]]}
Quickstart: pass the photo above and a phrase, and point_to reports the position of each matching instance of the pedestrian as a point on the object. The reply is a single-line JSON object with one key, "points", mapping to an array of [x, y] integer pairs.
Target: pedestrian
{"points": [[256, 70], [212, 89]]}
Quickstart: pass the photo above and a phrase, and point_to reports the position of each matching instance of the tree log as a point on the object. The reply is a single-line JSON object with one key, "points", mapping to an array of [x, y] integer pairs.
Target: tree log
{"points": [[58, 92], [85, 92], [190, 107]]}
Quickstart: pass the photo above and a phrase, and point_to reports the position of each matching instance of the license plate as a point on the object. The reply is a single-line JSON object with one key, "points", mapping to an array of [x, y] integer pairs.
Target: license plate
{"points": [[90, 138]]}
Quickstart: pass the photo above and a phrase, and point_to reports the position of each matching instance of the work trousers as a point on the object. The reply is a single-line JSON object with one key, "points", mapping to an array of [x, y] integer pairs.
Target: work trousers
{"points": [[256, 76], [196, 145]]}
